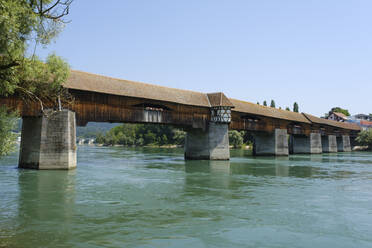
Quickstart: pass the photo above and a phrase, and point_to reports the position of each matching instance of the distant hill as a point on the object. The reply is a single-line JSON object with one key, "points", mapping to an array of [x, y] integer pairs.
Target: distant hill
{"points": [[93, 128]]}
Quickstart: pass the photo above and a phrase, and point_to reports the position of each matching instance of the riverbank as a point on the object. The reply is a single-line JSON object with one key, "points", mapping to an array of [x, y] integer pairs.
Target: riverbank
{"points": [[362, 148], [244, 147]]}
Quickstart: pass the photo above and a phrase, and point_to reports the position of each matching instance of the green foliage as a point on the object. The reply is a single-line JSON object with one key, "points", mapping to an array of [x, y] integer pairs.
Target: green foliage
{"points": [[235, 139], [265, 103], [8, 122], [179, 137], [295, 107], [365, 138], [272, 104], [23, 23], [339, 110], [287, 108], [142, 134], [100, 138], [150, 134], [258, 103]]}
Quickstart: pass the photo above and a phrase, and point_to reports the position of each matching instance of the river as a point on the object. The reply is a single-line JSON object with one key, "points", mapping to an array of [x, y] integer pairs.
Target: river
{"points": [[149, 197]]}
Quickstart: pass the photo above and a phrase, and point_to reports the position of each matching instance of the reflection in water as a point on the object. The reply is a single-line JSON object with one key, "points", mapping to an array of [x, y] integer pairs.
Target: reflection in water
{"points": [[207, 166], [258, 167], [202, 175], [44, 197], [219, 174]]}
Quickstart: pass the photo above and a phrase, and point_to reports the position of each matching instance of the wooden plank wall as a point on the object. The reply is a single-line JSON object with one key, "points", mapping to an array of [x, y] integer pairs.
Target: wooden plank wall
{"points": [[98, 107]]}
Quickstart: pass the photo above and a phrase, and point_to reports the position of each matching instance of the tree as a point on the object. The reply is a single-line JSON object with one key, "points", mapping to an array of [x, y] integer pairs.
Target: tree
{"points": [[235, 139], [8, 123], [287, 108], [258, 103], [272, 104], [141, 134], [248, 138], [100, 138], [24, 23], [295, 107], [365, 138], [179, 137], [35, 22], [264, 103], [163, 140], [339, 110]]}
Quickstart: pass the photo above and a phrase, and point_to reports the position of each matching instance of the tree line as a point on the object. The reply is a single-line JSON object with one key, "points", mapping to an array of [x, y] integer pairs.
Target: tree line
{"points": [[158, 135], [273, 105], [142, 135]]}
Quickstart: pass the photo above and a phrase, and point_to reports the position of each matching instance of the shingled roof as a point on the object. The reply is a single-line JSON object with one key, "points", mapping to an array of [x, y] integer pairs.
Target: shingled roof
{"points": [[219, 99], [96, 83], [255, 109], [338, 124], [79, 80]]}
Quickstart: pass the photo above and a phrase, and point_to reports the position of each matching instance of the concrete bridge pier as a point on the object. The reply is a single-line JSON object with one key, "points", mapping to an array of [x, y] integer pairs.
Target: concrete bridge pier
{"points": [[305, 144], [275, 143], [329, 143], [49, 141], [209, 144], [343, 143]]}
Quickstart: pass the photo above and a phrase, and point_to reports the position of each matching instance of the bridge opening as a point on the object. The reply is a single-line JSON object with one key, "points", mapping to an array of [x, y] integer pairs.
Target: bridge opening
{"points": [[131, 134]]}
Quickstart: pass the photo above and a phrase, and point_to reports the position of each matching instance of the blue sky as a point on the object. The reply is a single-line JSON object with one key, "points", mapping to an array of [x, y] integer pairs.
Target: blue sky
{"points": [[315, 52]]}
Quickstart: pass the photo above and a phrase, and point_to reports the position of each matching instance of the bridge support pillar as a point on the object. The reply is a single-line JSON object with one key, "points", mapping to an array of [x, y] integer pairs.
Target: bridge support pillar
{"points": [[211, 144], [343, 143], [306, 144], [329, 143], [49, 142], [271, 143]]}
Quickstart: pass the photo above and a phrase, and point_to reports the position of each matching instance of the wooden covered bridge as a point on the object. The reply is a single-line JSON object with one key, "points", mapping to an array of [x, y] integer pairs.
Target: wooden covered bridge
{"points": [[48, 140]]}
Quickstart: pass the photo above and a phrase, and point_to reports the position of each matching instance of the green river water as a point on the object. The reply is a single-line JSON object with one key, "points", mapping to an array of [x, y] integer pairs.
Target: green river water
{"points": [[148, 197]]}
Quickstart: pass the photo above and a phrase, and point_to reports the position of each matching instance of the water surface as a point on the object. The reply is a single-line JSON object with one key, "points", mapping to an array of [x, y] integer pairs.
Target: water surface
{"points": [[123, 197]]}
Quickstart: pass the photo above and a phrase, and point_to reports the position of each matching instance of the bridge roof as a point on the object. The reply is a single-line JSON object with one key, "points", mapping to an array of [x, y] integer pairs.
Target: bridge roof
{"points": [[255, 109], [79, 80], [321, 121], [219, 99], [102, 84]]}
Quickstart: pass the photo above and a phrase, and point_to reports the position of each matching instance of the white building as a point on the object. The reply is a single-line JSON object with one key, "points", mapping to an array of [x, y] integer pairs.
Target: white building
{"points": [[336, 116]]}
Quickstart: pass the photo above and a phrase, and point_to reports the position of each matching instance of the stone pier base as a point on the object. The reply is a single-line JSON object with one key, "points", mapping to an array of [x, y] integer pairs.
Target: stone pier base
{"points": [[49, 142], [343, 143], [329, 143], [271, 143], [211, 144], [306, 144]]}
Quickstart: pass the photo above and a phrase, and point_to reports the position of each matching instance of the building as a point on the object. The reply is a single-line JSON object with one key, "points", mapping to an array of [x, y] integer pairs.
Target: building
{"points": [[365, 124], [336, 116], [364, 121], [362, 117]]}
